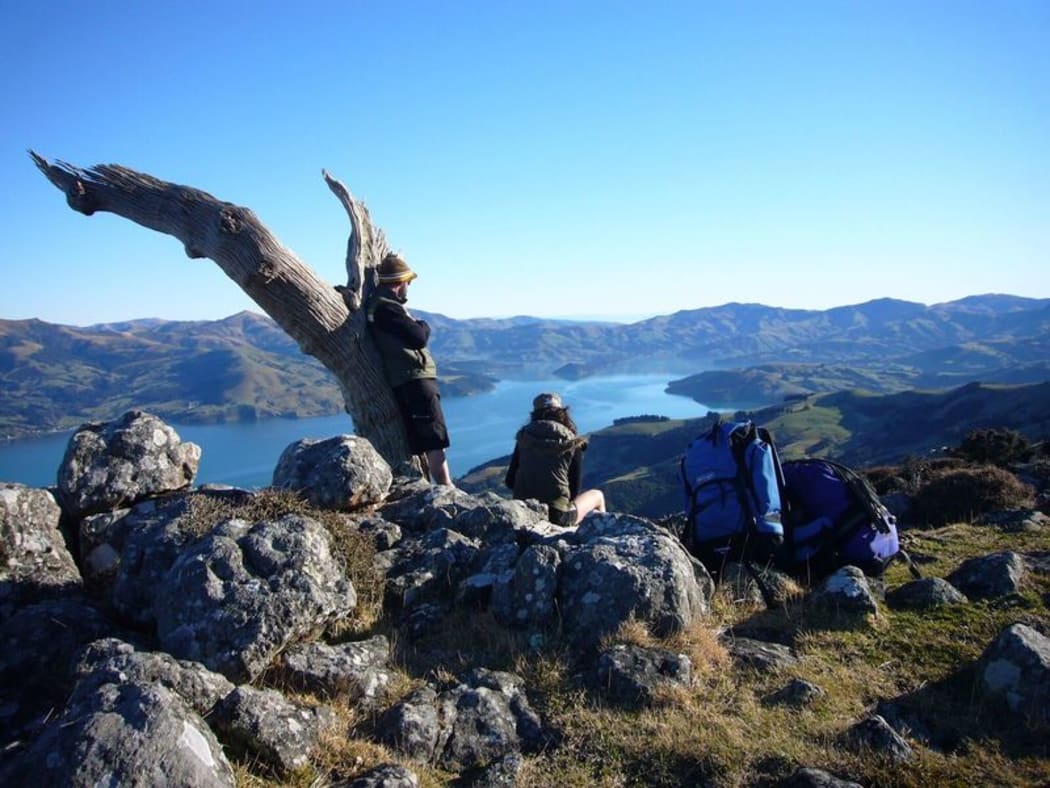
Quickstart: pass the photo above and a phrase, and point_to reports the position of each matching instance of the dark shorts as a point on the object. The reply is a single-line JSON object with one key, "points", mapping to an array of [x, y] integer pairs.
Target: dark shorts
{"points": [[565, 519], [420, 405]]}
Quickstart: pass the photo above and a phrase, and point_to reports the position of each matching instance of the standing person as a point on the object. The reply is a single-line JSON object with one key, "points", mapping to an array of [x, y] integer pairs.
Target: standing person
{"points": [[408, 366], [547, 463]]}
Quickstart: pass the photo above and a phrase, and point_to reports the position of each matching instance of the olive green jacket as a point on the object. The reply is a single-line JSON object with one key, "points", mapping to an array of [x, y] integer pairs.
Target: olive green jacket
{"points": [[402, 341], [546, 464]]}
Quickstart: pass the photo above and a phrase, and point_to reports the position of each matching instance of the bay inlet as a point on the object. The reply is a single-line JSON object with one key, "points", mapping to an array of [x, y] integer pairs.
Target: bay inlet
{"points": [[481, 428]]}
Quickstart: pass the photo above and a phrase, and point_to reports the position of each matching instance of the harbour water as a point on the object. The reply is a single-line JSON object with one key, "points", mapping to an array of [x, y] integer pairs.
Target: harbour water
{"points": [[481, 428]]}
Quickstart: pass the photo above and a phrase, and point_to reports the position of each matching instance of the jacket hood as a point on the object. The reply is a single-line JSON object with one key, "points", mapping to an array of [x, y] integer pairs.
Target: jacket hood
{"points": [[549, 437]]}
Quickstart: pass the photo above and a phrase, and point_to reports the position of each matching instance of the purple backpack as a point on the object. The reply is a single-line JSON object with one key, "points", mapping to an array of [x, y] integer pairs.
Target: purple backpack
{"points": [[835, 519]]}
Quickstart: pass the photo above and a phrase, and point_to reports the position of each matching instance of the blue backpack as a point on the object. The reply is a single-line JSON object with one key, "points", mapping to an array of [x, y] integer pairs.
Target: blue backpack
{"points": [[835, 518], [732, 482]]}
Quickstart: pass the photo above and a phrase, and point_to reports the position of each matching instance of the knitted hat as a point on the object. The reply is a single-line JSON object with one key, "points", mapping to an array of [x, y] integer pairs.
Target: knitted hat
{"points": [[547, 400], [393, 270]]}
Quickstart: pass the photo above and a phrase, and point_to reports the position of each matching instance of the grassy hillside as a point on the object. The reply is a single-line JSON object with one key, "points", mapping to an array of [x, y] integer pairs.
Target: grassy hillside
{"points": [[242, 368], [245, 367], [637, 464]]}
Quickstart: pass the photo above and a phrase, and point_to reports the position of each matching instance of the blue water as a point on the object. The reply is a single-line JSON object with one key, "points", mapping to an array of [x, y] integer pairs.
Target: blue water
{"points": [[481, 428]]}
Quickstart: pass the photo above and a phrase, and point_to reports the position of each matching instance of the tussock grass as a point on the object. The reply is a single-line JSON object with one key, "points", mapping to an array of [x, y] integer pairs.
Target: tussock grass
{"points": [[723, 730]]}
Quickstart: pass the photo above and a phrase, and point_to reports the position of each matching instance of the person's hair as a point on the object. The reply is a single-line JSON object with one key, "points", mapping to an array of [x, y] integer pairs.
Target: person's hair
{"points": [[560, 415]]}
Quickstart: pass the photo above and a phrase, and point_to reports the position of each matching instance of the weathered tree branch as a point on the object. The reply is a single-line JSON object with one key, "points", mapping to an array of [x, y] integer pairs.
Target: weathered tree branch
{"points": [[366, 244], [324, 325]]}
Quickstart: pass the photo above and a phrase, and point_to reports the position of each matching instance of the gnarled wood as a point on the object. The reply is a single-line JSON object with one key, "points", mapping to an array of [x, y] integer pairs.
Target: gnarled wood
{"points": [[364, 249], [310, 310]]}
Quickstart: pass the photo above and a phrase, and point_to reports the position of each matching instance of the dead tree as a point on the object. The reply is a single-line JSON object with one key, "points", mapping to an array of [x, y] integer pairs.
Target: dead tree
{"points": [[327, 322]]}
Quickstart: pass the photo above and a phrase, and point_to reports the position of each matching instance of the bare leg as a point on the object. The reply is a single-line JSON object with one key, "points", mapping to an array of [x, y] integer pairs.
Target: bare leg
{"points": [[439, 473], [588, 501]]}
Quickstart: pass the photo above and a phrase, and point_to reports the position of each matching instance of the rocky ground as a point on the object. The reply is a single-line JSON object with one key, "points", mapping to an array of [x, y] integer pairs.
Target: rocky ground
{"points": [[357, 626]]}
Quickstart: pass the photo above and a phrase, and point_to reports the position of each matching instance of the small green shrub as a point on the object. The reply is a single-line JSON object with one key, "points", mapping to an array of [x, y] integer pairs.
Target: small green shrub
{"points": [[961, 494]]}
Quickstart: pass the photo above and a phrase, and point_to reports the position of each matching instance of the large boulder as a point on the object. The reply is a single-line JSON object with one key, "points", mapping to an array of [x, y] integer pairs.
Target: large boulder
{"points": [[128, 552], [135, 734], [421, 507], [34, 561], [113, 464], [626, 568], [1016, 669], [237, 597], [344, 472]]}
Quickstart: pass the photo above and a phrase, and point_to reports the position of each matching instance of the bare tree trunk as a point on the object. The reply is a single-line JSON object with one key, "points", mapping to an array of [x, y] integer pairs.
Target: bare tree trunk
{"points": [[325, 321]]}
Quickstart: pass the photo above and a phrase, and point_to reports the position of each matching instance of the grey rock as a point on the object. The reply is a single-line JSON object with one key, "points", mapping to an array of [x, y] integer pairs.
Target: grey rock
{"points": [[240, 595], [637, 571], [527, 598], [760, 654], [496, 520], [114, 464], [37, 647], [846, 592], [424, 619], [797, 692], [427, 507], [112, 661], [146, 541], [632, 675], [490, 585], [925, 594], [874, 734], [990, 576], [490, 718], [384, 534], [471, 725], [35, 562], [413, 727], [1016, 669], [270, 727], [806, 777], [100, 538], [501, 773], [127, 734], [387, 775], [1016, 520], [359, 669], [425, 570], [344, 472]]}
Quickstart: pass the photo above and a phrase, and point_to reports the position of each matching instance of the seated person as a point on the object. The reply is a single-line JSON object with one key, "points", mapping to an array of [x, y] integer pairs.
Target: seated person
{"points": [[547, 464]]}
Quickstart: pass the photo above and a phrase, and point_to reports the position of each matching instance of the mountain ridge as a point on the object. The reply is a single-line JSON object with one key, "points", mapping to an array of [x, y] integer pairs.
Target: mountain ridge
{"points": [[57, 376]]}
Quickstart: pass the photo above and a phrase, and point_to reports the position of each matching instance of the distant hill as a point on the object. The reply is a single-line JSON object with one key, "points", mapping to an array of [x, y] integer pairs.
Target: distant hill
{"points": [[636, 463], [244, 367]]}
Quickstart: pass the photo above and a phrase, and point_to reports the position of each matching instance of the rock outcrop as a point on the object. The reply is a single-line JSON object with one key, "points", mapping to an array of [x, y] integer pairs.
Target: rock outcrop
{"points": [[160, 635]]}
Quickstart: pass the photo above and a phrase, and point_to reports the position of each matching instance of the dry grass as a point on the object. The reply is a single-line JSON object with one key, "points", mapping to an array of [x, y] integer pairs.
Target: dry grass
{"points": [[722, 731]]}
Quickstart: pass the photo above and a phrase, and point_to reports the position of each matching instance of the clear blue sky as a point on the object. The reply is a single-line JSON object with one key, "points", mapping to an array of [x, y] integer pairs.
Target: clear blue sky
{"points": [[545, 158]]}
